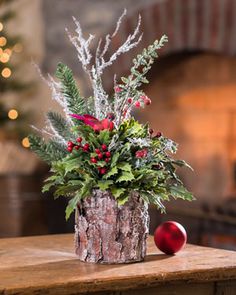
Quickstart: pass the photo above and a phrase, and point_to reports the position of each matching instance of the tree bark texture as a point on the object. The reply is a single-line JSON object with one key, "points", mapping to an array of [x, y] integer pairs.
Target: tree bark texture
{"points": [[108, 233]]}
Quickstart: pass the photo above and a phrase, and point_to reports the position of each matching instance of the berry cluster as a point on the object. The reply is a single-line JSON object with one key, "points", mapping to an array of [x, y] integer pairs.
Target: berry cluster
{"points": [[141, 153], [102, 155], [143, 100], [78, 145]]}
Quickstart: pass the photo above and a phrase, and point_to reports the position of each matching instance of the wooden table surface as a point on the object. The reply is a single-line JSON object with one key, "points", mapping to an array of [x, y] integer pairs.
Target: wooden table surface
{"points": [[48, 265]]}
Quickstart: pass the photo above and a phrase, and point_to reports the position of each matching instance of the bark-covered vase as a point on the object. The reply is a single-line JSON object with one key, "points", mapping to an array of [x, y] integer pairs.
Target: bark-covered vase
{"points": [[108, 233]]}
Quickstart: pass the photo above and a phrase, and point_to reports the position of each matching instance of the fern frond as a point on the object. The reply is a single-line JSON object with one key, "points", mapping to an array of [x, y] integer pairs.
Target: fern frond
{"points": [[75, 102]]}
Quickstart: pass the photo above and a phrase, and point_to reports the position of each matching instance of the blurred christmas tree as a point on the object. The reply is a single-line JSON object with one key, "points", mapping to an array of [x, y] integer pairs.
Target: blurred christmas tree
{"points": [[12, 122]]}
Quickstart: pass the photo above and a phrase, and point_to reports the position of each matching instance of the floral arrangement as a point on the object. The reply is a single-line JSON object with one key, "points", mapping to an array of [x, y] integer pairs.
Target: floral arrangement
{"points": [[98, 144]]}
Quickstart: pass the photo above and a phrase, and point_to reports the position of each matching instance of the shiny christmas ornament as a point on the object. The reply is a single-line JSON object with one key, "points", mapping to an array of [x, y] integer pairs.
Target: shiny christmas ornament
{"points": [[170, 237]]}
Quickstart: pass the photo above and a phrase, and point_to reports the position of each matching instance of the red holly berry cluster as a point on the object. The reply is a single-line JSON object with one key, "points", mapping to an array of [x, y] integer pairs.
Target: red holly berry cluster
{"points": [[102, 155], [141, 153], [78, 145]]}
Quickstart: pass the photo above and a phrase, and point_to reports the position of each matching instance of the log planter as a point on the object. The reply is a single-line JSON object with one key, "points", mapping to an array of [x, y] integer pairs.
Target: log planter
{"points": [[108, 233]]}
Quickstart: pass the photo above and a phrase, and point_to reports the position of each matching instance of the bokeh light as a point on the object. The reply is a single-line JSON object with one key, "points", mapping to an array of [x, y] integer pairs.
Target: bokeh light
{"points": [[1, 27], [6, 72], [25, 142], [4, 58], [3, 41], [13, 114]]}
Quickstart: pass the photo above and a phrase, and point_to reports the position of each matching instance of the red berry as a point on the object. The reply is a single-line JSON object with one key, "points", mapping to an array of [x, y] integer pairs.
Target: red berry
{"points": [[97, 151], [151, 131], [130, 100], [117, 89], [137, 104], [100, 156], [69, 149], [147, 102], [79, 139], [70, 144], [104, 147], [159, 134], [77, 147], [87, 146], [107, 160], [93, 160], [108, 154], [103, 170]]}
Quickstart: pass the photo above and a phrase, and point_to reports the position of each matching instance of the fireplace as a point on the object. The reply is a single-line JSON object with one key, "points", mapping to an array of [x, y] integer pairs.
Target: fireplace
{"points": [[194, 103]]}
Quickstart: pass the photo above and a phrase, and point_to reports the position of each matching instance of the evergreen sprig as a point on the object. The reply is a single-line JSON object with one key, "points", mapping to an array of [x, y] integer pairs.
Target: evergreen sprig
{"points": [[75, 102], [49, 152], [60, 125]]}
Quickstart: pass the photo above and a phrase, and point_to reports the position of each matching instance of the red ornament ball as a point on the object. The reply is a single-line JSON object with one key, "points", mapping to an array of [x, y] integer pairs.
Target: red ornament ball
{"points": [[170, 237]]}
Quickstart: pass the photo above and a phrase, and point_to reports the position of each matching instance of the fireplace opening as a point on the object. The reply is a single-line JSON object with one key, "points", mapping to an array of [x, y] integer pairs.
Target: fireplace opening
{"points": [[194, 102]]}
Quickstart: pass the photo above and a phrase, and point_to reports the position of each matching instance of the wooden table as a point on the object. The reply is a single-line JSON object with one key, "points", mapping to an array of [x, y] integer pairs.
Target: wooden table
{"points": [[47, 265]]}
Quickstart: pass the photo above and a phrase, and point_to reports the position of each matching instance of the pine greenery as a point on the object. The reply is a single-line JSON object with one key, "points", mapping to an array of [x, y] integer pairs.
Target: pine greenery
{"points": [[60, 125], [75, 102], [48, 152]]}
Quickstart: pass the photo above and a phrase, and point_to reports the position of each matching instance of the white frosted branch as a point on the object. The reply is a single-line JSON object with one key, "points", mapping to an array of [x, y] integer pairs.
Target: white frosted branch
{"points": [[81, 45], [119, 23], [125, 47]]}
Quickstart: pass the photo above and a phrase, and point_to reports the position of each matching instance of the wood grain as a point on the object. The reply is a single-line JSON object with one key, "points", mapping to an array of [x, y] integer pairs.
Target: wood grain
{"points": [[48, 265]]}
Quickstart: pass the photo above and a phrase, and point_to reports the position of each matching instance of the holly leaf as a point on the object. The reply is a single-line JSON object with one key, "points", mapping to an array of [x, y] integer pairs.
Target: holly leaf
{"points": [[125, 176], [179, 191], [182, 163], [104, 136], [112, 172], [114, 159], [123, 200], [117, 192], [104, 184], [124, 166], [72, 204]]}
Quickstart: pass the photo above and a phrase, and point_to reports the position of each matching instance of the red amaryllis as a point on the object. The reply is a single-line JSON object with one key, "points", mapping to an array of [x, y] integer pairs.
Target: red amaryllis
{"points": [[94, 122]]}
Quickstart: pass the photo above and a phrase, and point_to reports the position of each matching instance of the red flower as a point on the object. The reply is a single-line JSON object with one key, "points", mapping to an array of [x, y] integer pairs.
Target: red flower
{"points": [[141, 153]]}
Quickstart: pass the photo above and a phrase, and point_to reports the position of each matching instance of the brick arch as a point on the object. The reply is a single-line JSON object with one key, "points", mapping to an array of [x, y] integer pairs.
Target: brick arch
{"points": [[208, 25]]}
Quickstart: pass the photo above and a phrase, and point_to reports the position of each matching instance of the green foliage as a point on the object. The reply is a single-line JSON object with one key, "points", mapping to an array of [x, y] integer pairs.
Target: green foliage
{"points": [[49, 152], [153, 176], [75, 102], [130, 85], [123, 160], [60, 125]]}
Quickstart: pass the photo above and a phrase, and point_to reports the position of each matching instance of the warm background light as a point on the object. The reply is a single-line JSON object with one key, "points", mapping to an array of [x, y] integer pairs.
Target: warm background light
{"points": [[6, 72], [1, 27], [13, 114], [4, 58], [3, 41], [18, 47], [25, 142], [8, 51]]}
